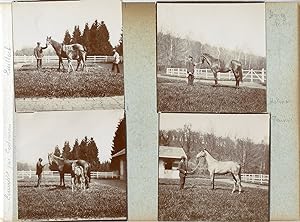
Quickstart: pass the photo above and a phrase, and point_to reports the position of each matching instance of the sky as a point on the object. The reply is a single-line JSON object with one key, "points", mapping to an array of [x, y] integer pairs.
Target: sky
{"points": [[227, 25], [253, 126], [34, 21], [37, 134]]}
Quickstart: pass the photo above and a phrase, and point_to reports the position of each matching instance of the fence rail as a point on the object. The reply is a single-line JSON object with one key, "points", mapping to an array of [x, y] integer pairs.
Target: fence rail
{"points": [[47, 59], [94, 174], [256, 178], [248, 74]]}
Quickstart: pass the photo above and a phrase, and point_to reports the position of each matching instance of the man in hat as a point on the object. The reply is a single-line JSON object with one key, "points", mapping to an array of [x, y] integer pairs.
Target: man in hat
{"points": [[116, 61], [182, 167], [39, 170], [38, 54], [190, 66]]}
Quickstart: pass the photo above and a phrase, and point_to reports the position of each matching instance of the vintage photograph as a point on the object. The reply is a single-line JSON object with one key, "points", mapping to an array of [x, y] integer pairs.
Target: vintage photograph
{"points": [[211, 57], [68, 55], [73, 167], [214, 167]]}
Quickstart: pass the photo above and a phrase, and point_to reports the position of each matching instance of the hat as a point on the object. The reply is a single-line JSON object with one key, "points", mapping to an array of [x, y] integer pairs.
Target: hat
{"points": [[40, 159], [38, 43], [183, 157]]}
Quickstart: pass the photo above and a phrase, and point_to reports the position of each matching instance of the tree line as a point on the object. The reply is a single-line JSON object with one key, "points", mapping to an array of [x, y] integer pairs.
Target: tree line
{"points": [[172, 52], [254, 157], [95, 38]]}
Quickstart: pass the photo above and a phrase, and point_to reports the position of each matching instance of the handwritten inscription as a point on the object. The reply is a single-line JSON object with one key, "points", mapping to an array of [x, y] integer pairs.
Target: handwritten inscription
{"points": [[6, 61], [278, 18], [9, 164], [279, 101]]}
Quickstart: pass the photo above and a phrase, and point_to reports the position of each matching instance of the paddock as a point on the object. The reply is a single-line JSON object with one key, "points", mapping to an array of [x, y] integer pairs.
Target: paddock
{"points": [[105, 200], [197, 202]]}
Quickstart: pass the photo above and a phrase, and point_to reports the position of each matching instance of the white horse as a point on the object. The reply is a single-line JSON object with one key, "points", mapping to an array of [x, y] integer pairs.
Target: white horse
{"points": [[221, 168], [78, 176]]}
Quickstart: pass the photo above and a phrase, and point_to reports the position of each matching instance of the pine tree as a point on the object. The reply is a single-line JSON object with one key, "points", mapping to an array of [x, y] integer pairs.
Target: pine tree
{"points": [[119, 47], [119, 142], [85, 37], [75, 151], [82, 154], [57, 151], [66, 151], [105, 47], [76, 37], [67, 38], [92, 154], [93, 43]]}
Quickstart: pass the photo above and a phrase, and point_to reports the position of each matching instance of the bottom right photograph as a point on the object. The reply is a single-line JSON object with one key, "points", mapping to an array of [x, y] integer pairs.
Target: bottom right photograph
{"points": [[214, 167]]}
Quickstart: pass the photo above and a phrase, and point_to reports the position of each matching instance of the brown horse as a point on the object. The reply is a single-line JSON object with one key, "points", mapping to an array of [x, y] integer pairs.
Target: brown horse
{"points": [[217, 65], [222, 167], [73, 51], [65, 166]]}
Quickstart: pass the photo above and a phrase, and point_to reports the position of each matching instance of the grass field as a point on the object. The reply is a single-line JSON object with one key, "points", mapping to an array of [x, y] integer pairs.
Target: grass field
{"points": [[99, 81], [197, 202], [176, 96], [104, 199]]}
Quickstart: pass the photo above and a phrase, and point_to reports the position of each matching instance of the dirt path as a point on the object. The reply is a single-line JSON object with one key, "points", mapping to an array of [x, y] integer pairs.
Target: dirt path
{"points": [[221, 83], [69, 104]]}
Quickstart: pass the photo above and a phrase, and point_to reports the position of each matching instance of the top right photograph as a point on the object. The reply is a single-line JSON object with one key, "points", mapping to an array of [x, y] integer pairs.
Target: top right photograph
{"points": [[211, 57]]}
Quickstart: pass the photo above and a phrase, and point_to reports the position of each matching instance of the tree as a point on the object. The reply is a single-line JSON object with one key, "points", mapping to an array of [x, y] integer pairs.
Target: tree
{"points": [[119, 142], [57, 151], [67, 38], [75, 150], [119, 47], [92, 154], [82, 152], [76, 37], [105, 47], [85, 37], [93, 43], [66, 151]]}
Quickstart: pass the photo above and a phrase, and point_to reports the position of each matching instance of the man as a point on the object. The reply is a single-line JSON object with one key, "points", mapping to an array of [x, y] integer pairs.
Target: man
{"points": [[190, 66], [182, 171], [116, 61], [39, 170], [38, 53]]}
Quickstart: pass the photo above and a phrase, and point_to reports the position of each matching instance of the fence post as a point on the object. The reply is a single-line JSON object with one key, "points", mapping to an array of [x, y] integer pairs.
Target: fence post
{"points": [[228, 75], [263, 75], [251, 71], [205, 73], [29, 173], [94, 58]]}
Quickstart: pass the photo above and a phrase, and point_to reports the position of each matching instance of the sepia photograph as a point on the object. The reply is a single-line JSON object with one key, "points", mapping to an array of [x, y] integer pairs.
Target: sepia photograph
{"points": [[211, 57], [214, 167], [68, 55], [73, 167]]}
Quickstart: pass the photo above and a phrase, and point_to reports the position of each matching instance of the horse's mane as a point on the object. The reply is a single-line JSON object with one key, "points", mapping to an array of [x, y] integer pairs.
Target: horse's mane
{"points": [[209, 56]]}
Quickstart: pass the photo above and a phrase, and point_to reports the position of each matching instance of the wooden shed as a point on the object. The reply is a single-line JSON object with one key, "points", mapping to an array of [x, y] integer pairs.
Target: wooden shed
{"points": [[120, 157]]}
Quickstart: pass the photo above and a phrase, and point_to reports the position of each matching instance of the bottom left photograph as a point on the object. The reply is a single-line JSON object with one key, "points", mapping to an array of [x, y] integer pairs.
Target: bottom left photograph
{"points": [[71, 165]]}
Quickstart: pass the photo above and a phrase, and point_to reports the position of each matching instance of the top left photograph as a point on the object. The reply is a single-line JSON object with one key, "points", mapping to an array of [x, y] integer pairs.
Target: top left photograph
{"points": [[68, 55]]}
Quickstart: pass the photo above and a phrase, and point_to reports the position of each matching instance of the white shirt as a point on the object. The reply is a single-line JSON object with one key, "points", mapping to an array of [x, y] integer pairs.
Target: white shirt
{"points": [[116, 58]]}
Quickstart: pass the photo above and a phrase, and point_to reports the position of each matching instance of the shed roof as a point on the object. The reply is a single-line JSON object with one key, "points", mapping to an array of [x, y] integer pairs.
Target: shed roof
{"points": [[171, 152], [120, 153]]}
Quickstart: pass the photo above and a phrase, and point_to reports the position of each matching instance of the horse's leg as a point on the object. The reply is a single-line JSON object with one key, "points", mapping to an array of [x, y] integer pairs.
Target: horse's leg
{"points": [[212, 180], [216, 77], [234, 182], [239, 182]]}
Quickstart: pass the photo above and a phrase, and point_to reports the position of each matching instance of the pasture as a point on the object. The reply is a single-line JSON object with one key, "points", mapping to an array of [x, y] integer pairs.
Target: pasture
{"points": [[105, 199], [197, 202], [98, 81], [175, 95]]}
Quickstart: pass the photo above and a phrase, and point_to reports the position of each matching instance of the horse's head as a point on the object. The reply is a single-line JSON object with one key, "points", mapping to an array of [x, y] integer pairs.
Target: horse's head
{"points": [[201, 154], [48, 40], [50, 158]]}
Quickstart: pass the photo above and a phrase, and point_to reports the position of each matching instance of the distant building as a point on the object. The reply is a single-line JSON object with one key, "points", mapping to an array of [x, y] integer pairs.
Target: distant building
{"points": [[120, 157], [169, 158]]}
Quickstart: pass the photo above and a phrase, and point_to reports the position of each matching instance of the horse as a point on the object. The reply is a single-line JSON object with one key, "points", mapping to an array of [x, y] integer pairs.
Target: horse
{"points": [[65, 166], [78, 176], [217, 65], [73, 51], [221, 168]]}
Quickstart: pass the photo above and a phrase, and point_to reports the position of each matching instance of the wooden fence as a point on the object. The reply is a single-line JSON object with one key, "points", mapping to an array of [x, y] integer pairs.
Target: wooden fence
{"points": [[255, 178], [47, 59], [94, 174], [248, 75]]}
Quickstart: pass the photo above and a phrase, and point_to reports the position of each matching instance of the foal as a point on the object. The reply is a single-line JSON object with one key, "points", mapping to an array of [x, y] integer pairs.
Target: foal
{"points": [[78, 176]]}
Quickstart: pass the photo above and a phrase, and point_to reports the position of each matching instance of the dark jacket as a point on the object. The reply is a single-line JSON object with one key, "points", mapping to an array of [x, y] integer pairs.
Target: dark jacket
{"points": [[182, 169], [190, 65], [39, 168], [38, 52]]}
